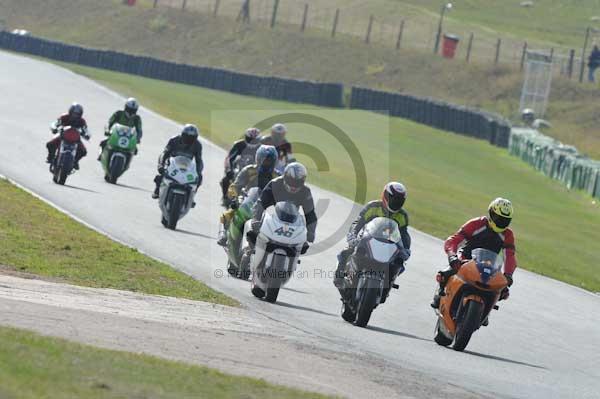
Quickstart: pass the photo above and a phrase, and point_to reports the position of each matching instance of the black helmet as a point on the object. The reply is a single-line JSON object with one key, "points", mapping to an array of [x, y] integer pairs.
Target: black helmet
{"points": [[189, 134]]}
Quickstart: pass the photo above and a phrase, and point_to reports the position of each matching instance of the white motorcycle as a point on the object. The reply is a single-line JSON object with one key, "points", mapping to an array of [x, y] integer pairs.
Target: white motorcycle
{"points": [[177, 190], [281, 241]]}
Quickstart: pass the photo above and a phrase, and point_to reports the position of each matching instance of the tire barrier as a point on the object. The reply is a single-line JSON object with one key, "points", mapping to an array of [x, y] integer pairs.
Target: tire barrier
{"points": [[441, 115], [300, 91], [556, 160]]}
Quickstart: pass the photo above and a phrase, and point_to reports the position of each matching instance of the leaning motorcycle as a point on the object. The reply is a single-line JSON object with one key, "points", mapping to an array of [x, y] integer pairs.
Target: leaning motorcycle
{"points": [[238, 250], [118, 152], [378, 253], [177, 190], [64, 159], [280, 242], [469, 297]]}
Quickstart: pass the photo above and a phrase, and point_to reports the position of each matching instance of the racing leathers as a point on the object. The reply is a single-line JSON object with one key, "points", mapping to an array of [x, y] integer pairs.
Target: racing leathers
{"points": [[241, 154], [123, 118], [371, 211], [275, 192], [176, 147], [477, 233], [62, 121]]}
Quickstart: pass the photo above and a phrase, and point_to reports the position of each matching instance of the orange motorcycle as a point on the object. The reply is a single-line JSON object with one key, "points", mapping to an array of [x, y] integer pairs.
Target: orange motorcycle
{"points": [[469, 297]]}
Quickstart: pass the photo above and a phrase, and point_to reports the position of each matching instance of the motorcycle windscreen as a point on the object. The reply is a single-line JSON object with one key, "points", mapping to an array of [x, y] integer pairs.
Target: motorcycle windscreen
{"points": [[382, 252], [488, 262], [384, 230], [182, 169], [287, 212]]}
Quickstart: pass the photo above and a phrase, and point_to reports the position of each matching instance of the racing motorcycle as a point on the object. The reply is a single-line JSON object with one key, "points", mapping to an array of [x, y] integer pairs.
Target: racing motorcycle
{"points": [[64, 160], [177, 190], [238, 251], [378, 253], [280, 242], [469, 297], [118, 152]]}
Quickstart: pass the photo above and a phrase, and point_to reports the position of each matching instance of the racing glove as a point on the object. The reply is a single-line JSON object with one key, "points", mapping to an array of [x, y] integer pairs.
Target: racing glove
{"points": [[454, 262], [504, 294]]}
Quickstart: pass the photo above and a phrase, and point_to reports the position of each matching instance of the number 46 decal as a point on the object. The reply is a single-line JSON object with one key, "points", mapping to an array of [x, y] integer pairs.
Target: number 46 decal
{"points": [[285, 232]]}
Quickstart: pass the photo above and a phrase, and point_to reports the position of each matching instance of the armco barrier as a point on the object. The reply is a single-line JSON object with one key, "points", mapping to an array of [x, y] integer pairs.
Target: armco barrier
{"points": [[454, 118], [323, 94], [556, 160]]}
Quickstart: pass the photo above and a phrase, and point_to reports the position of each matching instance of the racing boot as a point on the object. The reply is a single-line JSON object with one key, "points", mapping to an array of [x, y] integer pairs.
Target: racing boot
{"points": [[340, 271], [222, 241]]}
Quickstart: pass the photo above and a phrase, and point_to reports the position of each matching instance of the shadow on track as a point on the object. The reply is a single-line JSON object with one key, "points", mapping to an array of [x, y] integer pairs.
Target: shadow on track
{"points": [[289, 305], [293, 290], [191, 233], [502, 359], [398, 333], [81, 189], [133, 188]]}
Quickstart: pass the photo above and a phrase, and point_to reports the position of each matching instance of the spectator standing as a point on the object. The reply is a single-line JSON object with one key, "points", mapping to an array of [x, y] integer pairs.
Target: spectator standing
{"points": [[593, 63]]}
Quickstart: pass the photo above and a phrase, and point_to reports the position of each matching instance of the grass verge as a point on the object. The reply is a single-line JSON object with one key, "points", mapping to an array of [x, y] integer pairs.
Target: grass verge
{"points": [[450, 178], [38, 239], [33, 366]]}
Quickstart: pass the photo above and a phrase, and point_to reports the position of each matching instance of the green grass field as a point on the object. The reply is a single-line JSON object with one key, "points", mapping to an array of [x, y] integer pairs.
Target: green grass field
{"points": [[450, 178], [198, 38], [32, 366], [38, 239]]}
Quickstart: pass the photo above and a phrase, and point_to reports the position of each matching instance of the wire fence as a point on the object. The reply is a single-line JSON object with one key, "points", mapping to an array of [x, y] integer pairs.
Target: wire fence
{"points": [[411, 32]]}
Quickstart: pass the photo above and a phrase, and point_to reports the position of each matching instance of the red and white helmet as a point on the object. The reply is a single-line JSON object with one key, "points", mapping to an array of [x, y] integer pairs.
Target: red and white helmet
{"points": [[251, 135], [393, 196]]}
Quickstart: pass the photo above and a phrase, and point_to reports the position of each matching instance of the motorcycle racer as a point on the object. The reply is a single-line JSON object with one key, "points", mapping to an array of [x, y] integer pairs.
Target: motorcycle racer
{"points": [[258, 175], [126, 117], [490, 232], [242, 151], [73, 118], [185, 144], [390, 206]]}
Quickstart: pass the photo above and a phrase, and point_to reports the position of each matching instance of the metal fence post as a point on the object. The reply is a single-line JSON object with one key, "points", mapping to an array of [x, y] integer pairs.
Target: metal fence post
{"points": [[304, 18], [498, 44], [571, 59], [274, 15], [400, 32], [469, 47], [585, 43], [368, 37], [183, 4], [216, 10], [335, 22], [523, 55]]}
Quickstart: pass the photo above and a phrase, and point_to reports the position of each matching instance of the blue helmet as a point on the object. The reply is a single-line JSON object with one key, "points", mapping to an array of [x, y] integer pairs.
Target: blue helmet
{"points": [[266, 158]]}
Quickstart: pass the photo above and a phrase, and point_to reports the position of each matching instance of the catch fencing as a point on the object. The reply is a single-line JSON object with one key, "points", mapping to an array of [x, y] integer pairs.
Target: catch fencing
{"points": [[556, 160], [300, 91], [454, 118]]}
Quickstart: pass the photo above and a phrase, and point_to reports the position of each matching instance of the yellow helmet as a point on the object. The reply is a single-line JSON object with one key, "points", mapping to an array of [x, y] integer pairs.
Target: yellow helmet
{"points": [[500, 214]]}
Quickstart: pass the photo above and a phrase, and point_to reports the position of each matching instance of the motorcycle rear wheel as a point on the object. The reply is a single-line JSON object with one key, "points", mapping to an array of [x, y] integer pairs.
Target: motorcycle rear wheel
{"points": [[469, 324]]}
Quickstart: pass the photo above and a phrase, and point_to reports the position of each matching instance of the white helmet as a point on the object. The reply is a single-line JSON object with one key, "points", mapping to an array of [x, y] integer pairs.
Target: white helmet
{"points": [[278, 130], [294, 176], [131, 106]]}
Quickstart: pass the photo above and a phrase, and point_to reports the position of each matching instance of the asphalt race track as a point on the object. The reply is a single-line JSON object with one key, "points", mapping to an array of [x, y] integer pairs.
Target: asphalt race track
{"points": [[543, 343]]}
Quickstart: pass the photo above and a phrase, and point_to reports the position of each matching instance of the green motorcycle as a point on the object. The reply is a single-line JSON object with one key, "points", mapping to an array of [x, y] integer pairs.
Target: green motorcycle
{"points": [[120, 148], [238, 250]]}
